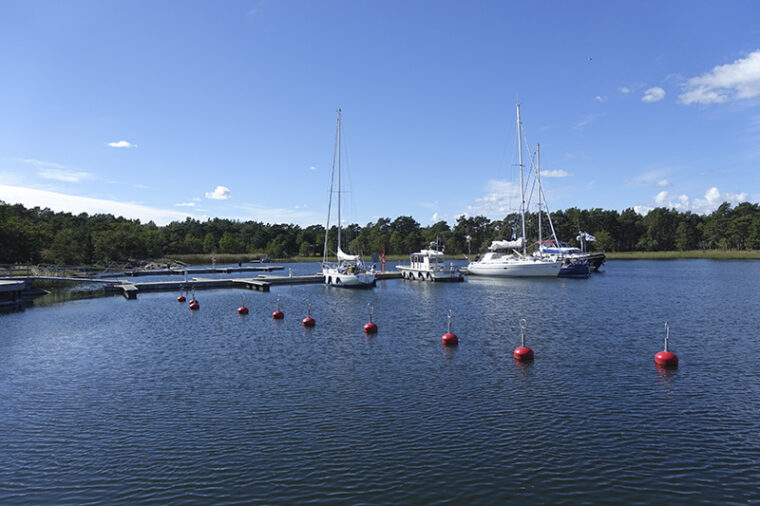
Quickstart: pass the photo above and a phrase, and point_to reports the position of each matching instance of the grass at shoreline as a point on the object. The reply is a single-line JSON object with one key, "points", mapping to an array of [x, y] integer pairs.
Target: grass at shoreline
{"points": [[675, 255]]}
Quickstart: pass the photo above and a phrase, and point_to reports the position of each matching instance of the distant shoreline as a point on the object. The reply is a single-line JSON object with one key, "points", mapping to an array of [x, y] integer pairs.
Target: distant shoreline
{"points": [[675, 255], [198, 259]]}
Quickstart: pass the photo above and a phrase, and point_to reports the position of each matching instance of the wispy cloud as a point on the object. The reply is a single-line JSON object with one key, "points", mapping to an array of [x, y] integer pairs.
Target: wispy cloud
{"points": [[600, 99], [654, 94], [554, 173], [501, 198], [42, 164], [624, 90], [122, 144], [219, 193], [31, 197], [654, 177], [186, 204], [56, 171], [732, 81], [67, 176], [264, 214], [312, 167], [586, 121]]}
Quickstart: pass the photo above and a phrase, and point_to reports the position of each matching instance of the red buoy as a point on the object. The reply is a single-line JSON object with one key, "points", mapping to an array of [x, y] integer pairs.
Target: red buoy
{"points": [[242, 310], [192, 301], [370, 327], [278, 315], [522, 352], [666, 358], [449, 339], [308, 322], [181, 298], [194, 305]]}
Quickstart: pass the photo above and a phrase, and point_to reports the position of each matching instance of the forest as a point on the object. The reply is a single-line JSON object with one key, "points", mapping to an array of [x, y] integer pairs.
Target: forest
{"points": [[38, 235]]}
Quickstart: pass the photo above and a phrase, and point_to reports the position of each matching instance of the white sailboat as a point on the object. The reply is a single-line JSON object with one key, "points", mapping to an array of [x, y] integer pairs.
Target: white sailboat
{"points": [[510, 258], [349, 271]]}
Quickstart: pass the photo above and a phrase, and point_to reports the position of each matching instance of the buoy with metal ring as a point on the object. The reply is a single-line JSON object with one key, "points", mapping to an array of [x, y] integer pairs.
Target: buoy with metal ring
{"points": [[278, 315], [522, 352], [242, 310], [194, 305], [370, 327], [308, 321], [449, 338], [666, 358], [181, 298]]}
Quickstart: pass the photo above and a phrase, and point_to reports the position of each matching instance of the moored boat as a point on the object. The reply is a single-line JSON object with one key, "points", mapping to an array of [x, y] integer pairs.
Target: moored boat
{"points": [[430, 265], [504, 258], [349, 271]]}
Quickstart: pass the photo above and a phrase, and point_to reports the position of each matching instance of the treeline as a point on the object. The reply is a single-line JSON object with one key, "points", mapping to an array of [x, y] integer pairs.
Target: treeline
{"points": [[41, 235]]}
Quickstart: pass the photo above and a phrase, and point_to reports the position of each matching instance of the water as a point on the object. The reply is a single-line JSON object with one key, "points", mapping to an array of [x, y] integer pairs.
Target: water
{"points": [[145, 401]]}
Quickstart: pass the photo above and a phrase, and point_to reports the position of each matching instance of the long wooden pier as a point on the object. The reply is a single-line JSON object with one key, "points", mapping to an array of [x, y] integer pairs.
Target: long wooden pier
{"points": [[261, 283]]}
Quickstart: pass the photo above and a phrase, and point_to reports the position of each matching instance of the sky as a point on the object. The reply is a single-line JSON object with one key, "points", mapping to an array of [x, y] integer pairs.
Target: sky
{"points": [[164, 110]]}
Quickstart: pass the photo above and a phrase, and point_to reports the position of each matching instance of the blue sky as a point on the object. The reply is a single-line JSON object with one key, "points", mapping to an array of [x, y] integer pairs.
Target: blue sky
{"points": [[161, 110]]}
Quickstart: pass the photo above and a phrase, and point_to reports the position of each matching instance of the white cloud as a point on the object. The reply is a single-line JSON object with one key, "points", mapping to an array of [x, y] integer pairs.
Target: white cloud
{"points": [[67, 176], [663, 183], [600, 99], [61, 202], [435, 217], [122, 144], [624, 90], [733, 81], [711, 200], [554, 173], [219, 193], [312, 167], [185, 204], [654, 94]]}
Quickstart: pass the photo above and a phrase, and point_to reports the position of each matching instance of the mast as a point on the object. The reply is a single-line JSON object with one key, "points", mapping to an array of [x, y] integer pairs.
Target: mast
{"points": [[522, 187], [329, 200], [538, 176], [339, 187]]}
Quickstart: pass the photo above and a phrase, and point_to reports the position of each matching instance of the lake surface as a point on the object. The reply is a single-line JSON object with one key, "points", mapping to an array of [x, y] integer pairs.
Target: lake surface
{"points": [[112, 400]]}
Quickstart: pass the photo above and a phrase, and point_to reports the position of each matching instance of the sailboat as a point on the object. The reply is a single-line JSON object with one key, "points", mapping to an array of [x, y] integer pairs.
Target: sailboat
{"points": [[510, 258], [349, 271], [573, 265]]}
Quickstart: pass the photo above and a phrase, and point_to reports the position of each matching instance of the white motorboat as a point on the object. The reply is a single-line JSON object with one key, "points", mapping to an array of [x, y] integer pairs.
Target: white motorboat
{"points": [[510, 258], [349, 271], [430, 265]]}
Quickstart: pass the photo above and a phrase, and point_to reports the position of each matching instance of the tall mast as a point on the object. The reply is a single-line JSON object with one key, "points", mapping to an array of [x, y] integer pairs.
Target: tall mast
{"points": [[522, 187], [339, 187], [538, 176]]}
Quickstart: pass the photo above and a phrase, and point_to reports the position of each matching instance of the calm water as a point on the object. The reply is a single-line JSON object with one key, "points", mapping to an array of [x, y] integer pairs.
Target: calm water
{"points": [[125, 401]]}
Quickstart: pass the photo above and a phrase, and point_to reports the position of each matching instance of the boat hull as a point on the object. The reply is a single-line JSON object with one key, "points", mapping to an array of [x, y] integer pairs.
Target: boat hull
{"points": [[515, 269], [343, 279], [429, 275]]}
